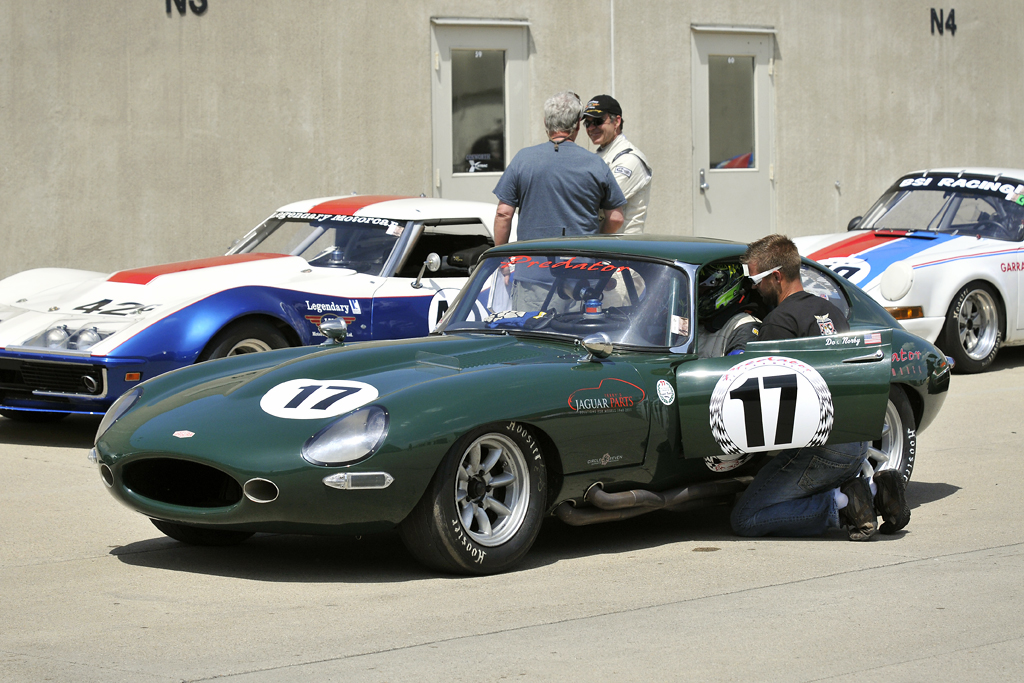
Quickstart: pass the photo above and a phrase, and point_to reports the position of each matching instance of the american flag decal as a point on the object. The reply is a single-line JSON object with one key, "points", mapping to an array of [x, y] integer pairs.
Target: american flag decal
{"points": [[873, 338]]}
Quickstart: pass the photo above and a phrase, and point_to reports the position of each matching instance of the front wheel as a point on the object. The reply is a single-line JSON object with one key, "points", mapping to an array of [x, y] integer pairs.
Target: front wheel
{"points": [[483, 508], [971, 333], [252, 336], [900, 439], [194, 535]]}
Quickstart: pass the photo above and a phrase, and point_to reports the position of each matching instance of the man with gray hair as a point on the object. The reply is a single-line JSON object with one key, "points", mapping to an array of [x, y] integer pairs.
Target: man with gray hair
{"points": [[558, 187]]}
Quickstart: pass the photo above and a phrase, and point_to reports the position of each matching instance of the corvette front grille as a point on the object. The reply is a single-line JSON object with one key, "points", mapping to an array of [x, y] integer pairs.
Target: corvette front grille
{"points": [[51, 377]]}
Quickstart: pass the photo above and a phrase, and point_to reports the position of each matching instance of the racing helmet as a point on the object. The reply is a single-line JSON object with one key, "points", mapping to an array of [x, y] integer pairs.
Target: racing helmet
{"points": [[720, 287]]}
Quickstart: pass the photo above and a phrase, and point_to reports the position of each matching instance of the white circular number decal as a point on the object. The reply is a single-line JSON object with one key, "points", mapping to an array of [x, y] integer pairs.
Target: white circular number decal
{"points": [[769, 403], [312, 399]]}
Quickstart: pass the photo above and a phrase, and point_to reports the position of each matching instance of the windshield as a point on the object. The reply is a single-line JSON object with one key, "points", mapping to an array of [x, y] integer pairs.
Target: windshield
{"points": [[965, 205], [359, 243], [636, 303]]}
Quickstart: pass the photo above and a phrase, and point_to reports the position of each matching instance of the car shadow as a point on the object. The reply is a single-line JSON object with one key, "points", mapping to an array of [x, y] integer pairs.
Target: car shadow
{"points": [[381, 558], [1008, 358], [74, 431]]}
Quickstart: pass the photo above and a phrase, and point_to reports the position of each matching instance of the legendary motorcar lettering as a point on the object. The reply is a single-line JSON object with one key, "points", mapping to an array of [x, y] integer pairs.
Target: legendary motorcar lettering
{"points": [[311, 399], [606, 396], [330, 306], [746, 395]]}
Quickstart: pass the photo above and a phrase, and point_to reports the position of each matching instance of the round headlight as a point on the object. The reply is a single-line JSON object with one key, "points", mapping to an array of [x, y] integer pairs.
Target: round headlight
{"points": [[56, 337], [119, 408], [897, 281], [87, 338], [349, 438]]}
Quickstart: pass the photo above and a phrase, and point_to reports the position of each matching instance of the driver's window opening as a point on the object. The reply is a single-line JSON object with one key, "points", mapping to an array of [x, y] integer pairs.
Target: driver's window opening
{"points": [[632, 302]]}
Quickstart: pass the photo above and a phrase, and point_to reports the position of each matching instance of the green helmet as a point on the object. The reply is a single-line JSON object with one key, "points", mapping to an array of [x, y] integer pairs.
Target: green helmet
{"points": [[720, 286]]}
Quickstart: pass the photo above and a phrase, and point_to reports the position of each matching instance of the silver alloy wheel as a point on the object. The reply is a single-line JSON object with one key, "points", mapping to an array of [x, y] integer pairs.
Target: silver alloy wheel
{"points": [[244, 346], [492, 489], [978, 324], [892, 440]]}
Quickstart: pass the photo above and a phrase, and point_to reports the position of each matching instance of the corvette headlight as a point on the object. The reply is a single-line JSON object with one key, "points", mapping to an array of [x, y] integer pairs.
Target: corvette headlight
{"points": [[354, 436], [55, 337], [119, 408], [86, 338]]}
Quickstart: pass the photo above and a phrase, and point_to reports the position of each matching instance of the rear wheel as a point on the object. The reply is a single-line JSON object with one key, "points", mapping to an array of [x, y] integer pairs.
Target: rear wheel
{"points": [[482, 511], [247, 336], [194, 535], [900, 439], [972, 331]]}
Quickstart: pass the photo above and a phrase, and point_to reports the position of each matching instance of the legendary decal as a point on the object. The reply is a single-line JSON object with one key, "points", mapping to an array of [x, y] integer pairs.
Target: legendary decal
{"points": [[666, 394], [605, 459], [313, 399], [611, 395], [320, 217], [769, 403], [316, 320]]}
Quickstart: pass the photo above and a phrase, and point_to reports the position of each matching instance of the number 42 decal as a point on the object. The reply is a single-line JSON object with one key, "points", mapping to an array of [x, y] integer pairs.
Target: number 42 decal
{"points": [[313, 399], [124, 308]]}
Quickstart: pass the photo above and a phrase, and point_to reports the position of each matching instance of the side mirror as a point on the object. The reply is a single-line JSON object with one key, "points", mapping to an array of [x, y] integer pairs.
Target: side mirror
{"points": [[854, 222], [335, 330], [598, 345], [433, 263]]}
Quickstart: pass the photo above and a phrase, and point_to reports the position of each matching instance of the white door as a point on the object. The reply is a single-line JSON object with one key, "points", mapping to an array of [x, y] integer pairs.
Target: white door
{"points": [[479, 101], [733, 190]]}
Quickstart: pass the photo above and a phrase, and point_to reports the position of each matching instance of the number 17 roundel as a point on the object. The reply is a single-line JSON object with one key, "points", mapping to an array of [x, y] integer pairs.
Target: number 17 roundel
{"points": [[770, 403], [312, 399]]}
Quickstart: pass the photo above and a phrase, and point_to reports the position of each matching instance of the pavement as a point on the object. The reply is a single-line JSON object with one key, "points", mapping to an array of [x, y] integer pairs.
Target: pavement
{"points": [[90, 591]]}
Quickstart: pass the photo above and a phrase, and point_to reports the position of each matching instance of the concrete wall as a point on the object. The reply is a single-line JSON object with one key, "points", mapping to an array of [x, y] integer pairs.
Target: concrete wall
{"points": [[130, 136]]}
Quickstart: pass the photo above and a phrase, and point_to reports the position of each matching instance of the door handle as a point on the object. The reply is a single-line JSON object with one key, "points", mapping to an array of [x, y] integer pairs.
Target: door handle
{"points": [[703, 183], [869, 358]]}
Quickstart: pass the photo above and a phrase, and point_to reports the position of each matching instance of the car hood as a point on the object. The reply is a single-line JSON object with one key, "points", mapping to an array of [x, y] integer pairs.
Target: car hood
{"points": [[862, 256], [126, 302], [227, 400]]}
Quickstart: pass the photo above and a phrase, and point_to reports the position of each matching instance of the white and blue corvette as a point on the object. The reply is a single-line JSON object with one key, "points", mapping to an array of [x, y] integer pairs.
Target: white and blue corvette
{"points": [[72, 341], [942, 250]]}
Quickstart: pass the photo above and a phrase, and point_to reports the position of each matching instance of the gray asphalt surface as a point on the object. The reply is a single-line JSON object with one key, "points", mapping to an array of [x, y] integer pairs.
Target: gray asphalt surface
{"points": [[90, 591]]}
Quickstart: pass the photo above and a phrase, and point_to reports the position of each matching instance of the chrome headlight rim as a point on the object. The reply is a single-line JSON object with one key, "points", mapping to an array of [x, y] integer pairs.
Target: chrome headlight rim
{"points": [[363, 440], [118, 408]]}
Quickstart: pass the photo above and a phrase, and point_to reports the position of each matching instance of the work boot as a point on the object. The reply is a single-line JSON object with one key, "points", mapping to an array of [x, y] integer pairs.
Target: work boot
{"points": [[859, 514], [891, 501]]}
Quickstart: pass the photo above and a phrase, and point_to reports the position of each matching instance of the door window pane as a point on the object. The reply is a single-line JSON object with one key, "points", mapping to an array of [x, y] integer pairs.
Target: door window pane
{"points": [[478, 111], [731, 111]]}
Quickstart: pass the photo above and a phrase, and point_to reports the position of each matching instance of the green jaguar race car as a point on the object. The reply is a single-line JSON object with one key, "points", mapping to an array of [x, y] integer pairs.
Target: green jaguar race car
{"points": [[570, 377]]}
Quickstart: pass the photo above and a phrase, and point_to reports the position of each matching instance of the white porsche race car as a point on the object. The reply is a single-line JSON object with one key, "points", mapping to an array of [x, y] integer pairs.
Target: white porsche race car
{"points": [[942, 251], [72, 341]]}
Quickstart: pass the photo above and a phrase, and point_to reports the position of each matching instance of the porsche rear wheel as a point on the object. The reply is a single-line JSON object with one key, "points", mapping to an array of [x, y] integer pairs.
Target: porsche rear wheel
{"points": [[972, 330], [194, 535], [900, 440], [484, 506], [247, 336]]}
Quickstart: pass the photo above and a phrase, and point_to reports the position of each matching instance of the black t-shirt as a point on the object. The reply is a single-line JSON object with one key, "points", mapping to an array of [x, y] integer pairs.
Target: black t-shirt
{"points": [[803, 315]]}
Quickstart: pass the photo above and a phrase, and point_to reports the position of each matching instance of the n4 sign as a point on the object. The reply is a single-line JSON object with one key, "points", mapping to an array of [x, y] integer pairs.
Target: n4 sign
{"points": [[314, 399], [770, 403]]}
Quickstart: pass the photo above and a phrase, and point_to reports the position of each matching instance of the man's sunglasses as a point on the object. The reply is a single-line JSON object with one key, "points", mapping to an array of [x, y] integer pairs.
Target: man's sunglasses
{"points": [[755, 280], [590, 123]]}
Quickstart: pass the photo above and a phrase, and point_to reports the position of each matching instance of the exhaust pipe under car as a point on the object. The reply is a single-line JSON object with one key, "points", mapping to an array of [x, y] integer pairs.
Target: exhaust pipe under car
{"points": [[609, 507]]}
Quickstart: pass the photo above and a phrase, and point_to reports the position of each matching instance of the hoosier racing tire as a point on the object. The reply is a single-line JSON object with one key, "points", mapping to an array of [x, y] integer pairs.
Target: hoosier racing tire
{"points": [[483, 509]]}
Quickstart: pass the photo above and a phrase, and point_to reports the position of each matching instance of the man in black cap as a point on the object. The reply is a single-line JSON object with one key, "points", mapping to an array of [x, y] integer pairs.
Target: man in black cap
{"points": [[603, 119]]}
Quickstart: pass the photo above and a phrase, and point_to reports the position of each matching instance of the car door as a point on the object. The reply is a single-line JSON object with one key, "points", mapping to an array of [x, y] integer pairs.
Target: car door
{"points": [[413, 299], [786, 394]]}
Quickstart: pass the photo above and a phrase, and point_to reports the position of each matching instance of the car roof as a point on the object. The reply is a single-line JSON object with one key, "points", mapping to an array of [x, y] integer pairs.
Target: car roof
{"points": [[698, 250], [395, 207], [1014, 173]]}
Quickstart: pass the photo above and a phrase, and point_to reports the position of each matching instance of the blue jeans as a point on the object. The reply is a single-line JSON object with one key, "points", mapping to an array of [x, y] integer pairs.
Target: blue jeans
{"points": [[793, 494]]}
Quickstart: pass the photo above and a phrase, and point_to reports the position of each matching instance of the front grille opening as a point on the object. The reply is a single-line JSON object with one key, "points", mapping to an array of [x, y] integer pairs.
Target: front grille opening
{"points": [[180, 482]]}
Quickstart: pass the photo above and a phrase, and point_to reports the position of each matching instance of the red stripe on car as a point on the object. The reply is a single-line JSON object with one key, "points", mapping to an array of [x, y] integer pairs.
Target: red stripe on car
{"points": [[347, 206], [853, 245], [143, 276]]}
